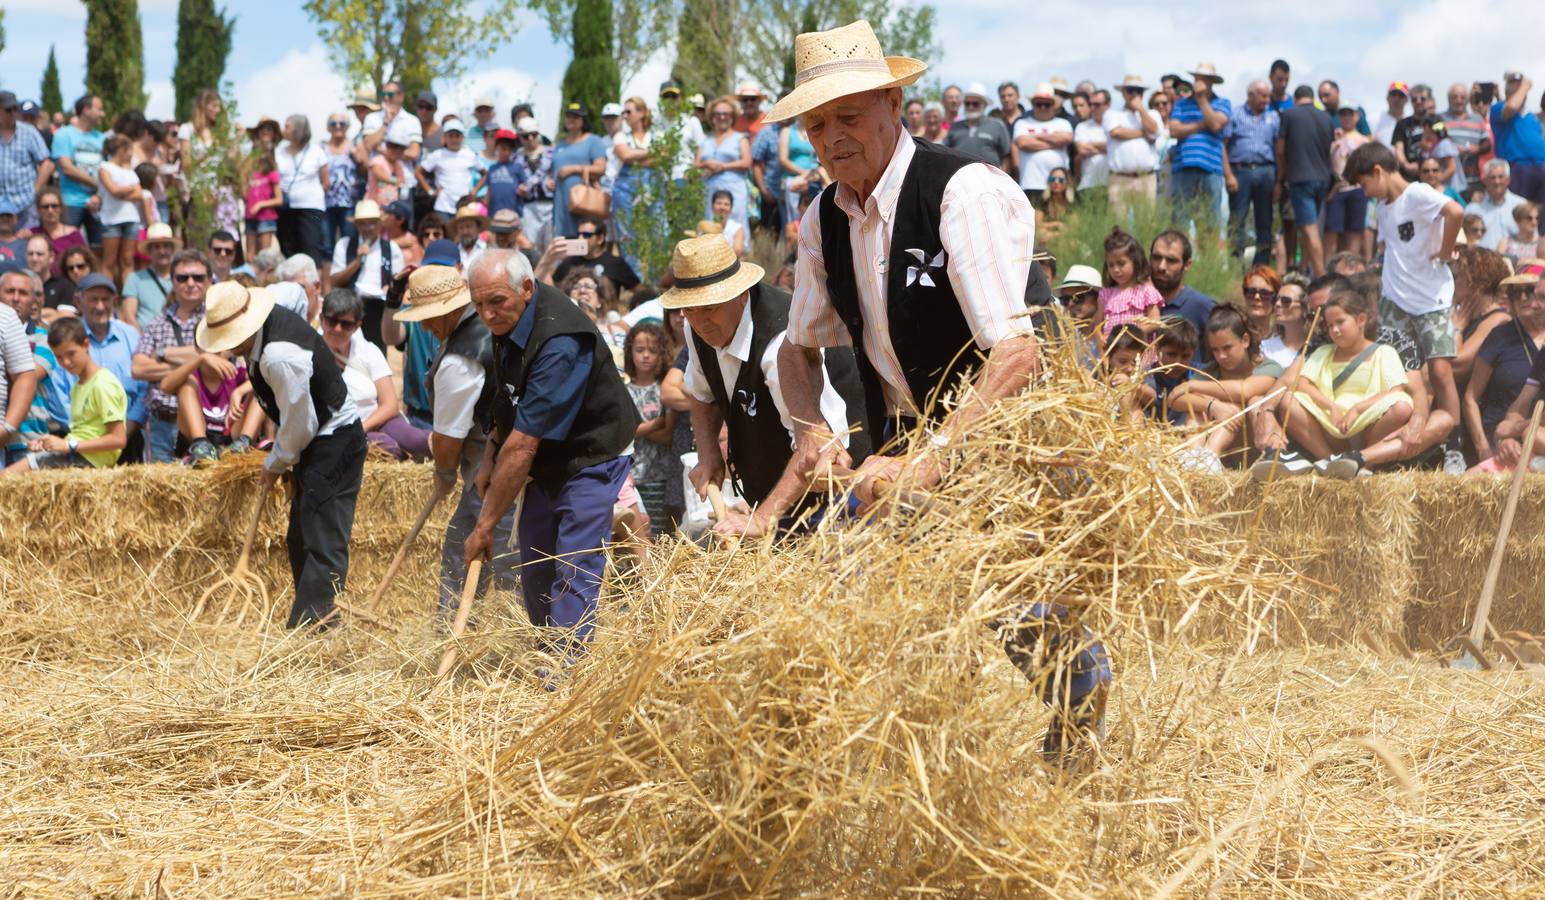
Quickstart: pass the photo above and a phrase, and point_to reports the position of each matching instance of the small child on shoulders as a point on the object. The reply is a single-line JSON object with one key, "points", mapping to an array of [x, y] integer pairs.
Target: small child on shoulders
{"points": [[1128, 296], [98, 408]]}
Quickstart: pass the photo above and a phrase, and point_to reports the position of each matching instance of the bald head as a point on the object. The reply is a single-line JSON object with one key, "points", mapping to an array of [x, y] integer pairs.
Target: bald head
{"points": [[1257, 95]]}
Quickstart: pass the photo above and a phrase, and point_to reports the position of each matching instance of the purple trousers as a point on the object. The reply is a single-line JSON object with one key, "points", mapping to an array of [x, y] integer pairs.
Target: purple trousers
{"points": [[402, 439]]}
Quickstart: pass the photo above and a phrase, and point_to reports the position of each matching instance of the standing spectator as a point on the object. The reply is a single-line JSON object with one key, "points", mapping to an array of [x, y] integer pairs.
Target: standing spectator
{"points": [[393, 123], [343, 182], [1346, 212], [1197, 123], [425, 108], [123, 207], [389, 174], [767, 172], [1169, 259], [951, 99], [167, 343], [1252, 139], [1438, 148], [448, 173], [534, 182], [933, 123], [1470, 133], [1089, 147], [635, 173], [500, 179], [18, 380], [1407, 138], [1279, 75], [222, 256], [1009, 108], [480, 137], [262, 201], [61, 236], [206, 163], [725, 158], [367, 263], [1395, 97], [78, 154], [1127, 295], [914, 116], [1330, 99], [749, 121], [979, 135], [1130, 133], [1495, 206], [305, 175], [1303, 169], [802, 173], [25, 167], [1042, 139], [1519, 137], [580, 158], [146, 291]]}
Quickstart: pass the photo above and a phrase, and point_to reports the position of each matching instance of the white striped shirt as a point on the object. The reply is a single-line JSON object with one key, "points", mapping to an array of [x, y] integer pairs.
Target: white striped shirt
{"points": [[987, 229]]}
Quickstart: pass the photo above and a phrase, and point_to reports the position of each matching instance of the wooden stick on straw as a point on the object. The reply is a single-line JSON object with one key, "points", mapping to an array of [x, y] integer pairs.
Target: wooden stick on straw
{"points": [[716, 500], [1499, 552], [402, 553], [463, 612], [1196, 439]]}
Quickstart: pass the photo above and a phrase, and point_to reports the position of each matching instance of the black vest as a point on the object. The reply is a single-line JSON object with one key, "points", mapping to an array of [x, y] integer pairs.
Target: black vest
{"points": [[759, 444], [474, 341], [931, 336], [607, 419], [327, 389]]}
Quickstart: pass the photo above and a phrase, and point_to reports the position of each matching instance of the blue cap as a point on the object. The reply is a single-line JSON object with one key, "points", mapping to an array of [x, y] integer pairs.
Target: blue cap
{"points": [[402, 209], [96, 280], [441, 253], [9, 207]]}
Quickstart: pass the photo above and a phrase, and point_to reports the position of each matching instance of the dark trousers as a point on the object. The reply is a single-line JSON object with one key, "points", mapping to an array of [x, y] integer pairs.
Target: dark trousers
{"points": [[563, 535], [300, 231], [1255, 189], [1528, 181], [327, 482], [370, 326], [335, 227]]}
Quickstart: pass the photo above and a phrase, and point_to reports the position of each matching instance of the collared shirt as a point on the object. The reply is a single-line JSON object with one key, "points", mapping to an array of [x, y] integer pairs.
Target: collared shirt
{"points": [[19, 160], [1204, 149], [287, 369], [736, 353], [368, 284], [764, 150], [164, 332], [987, 229], [1519, 139], [458, 383], [1252, 137], [1498, 217], [1193, 306], [555, 380], [468, 254]]}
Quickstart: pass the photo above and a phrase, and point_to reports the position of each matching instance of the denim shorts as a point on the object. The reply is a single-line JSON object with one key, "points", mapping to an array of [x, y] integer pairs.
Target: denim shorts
{"points": [[262, 226], [121, 230], [1346, 212], [1306, 198]]}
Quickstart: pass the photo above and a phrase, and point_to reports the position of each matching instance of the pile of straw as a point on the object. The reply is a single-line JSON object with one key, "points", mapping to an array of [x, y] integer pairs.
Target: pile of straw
{"points": [[831, 715]]}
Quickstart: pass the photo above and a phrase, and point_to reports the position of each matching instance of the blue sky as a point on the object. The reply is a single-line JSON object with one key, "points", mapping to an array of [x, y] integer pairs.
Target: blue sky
{"points": [[277, 67]]}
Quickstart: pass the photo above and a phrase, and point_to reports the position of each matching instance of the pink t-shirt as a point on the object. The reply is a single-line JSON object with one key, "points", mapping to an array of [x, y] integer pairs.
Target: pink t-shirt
{"points": [[216, 403], [1123, 305], [261, 187]]}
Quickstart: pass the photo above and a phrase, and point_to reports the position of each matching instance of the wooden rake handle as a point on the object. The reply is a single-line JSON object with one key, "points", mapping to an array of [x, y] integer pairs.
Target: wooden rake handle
{"points": [[402, 554], [1499, 550], [459, 626]]}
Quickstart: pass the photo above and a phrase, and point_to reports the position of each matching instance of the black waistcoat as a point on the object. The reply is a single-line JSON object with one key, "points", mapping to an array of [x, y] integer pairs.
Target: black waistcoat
{"points": [[931, 336], [474, 341], [607, 419], [760, 447], [327, 389]]}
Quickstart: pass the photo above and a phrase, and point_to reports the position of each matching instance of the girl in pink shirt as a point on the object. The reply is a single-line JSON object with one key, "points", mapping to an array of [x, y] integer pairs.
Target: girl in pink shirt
{"points": [[1128, 295], [264, 197]]}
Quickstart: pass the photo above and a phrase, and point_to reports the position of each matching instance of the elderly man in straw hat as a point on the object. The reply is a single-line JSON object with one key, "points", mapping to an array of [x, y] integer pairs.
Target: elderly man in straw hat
{"points": [[735, 328], [562, 420], [461, 396], [919, 257], [318, 437]]}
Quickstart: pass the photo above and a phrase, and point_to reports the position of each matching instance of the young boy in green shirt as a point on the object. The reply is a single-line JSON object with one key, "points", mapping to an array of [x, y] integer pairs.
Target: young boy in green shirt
{"points": [[98, 407]]}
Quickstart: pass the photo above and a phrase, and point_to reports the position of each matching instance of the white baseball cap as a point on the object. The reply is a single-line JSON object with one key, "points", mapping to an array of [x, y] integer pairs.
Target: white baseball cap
{"points": [[453, 124], [611, 109]]}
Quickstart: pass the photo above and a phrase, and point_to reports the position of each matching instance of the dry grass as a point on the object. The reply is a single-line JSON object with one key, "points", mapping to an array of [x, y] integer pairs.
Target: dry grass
{"points": [[829, 717]]}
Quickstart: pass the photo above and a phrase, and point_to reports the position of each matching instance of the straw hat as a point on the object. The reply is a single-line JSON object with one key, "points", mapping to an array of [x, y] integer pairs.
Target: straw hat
{"points": [[1208, 71], [838, 63], [232, 313], [1530, 271], [706, 226], [1059, 86], [365, 97], [366, 211], [505, 221], [1132, 81], [707, 272], [433, 291], [158, 233], [472, 212]]}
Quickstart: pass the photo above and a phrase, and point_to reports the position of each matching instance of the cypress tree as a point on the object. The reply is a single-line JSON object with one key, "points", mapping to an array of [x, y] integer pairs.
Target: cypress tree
{"points": [[592, 77], [203, 43], [52, 98], [115, 55]]}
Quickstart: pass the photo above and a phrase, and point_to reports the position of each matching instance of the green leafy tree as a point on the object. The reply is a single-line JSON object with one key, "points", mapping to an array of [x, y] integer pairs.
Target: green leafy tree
{"points": [[639, 28], [52, 97], [664, 210], [214, 176], [708, 41], [767, 50], [413, 41], [203, 44], [2, 30], [115, 54], [592, 77]]}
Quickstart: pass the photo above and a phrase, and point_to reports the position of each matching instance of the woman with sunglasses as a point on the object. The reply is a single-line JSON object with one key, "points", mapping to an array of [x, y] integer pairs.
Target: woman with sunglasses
{"points": [[725, 158], [1056, 203], [1504, 361], [1292, 321], [1260, 294], [343, 186], [62, 237], [368, 378]]}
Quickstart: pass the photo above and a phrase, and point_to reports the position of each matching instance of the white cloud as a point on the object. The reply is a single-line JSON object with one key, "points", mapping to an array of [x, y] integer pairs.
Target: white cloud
{"points": [[301, 81], [505, 86], [160, 99]]}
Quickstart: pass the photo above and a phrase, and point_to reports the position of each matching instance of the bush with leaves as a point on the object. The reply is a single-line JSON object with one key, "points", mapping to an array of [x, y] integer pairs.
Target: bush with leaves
{"points": [[664, 209]]}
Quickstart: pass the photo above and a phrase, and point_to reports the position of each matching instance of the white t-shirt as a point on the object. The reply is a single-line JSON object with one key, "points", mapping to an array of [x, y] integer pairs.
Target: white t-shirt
{"points": [[1035, 166], [367, 365], [117, 211], [458, 383], [413, 129], [1093, 171], [300, 176], [368, 284], [1134, 156], [1412, 232], [1384, 129], [454, 172]]}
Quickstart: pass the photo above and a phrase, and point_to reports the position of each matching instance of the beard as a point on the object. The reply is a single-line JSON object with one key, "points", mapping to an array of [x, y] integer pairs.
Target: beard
{"points": [[1164, 284]]}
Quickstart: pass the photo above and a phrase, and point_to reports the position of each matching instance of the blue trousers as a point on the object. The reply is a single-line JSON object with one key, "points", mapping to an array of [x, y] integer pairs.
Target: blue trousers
{"points": [[161, 441], [563, 535], [1195, 191], [1255, 184], [453, 567], [1063, 657]]}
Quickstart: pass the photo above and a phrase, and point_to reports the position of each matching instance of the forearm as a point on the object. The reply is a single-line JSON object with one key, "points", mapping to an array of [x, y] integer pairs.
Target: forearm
{"points": [[1474, 426], [115, 439], [1008, 370], [45, 174], [657, 430], [392, 332], [706, 422], [342, 277], [803, 379], [512, 465], [446, 451], [75, 173], [23, 388], [172, 381]]}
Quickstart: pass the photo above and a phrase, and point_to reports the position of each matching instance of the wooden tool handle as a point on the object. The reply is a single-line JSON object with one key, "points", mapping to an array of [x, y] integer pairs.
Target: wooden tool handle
{"points": [[402, 552], [1499, 551], [716, 500], [252, 527], [463, 612]]}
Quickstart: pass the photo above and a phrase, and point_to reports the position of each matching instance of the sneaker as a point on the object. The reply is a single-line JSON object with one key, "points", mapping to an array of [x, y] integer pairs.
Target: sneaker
{"points": [[1340, 467], [240, 445], [1454, 463], [1201, 460], [1279, 464], [202, 453]]}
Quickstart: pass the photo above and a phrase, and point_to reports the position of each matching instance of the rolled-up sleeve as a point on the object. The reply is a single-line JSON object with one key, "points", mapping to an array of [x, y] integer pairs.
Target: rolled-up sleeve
{"points": [[813, 321], [988, 229], [287, 369]]}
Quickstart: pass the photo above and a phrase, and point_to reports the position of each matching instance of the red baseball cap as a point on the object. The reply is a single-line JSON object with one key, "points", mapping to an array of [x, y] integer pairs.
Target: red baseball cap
{"points": [[1399, 87], [504, 134]]}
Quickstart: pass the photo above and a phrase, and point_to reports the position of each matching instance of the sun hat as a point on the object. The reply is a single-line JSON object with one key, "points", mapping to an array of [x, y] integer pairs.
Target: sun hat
{"points": [[705, 226], [707, 272], [472, 212], [96, 280], [1080, 276], [840, 63], [432, 291], [1206, 70], [528, 125], [505, 221], [1132, 81], [261, 124], [1529, 271], [232, 313], [453, 124], [483, 101], [698, 101], [1044, 91], [976, 89], [365, 97], [1059, 86], [441, 252], [158, 233], [749, 89], [366, 211]]}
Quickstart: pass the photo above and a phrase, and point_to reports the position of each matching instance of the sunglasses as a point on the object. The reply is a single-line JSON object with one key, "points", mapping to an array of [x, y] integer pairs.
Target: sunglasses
{"points": [[587, 234], [1260, 294], [186, 277], [345, 324], [973, 104], [1056, 179], [584, 286], [425, 105], [1041, 104], [223, 251], [1079, 298], [337, 124], [388, 93], [431, 234], [78, 267]]}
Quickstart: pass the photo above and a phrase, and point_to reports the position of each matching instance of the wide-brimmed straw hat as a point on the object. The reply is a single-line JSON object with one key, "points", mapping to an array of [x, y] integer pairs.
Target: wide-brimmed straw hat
{"points": [[432, 291], [1208, 71], [232, 313], [705, 226], [707, 272], [158, 233], [1132, 81], [472, 212], [838, 63], [366, 211], [1530, 271]]}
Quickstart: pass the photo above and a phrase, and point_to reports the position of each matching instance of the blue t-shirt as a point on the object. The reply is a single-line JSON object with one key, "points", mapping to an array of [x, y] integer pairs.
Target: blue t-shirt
{"points": [[1203, 150], [1193, 306], [765, 150], [502, 181], [1520, 140], [85, 149]]}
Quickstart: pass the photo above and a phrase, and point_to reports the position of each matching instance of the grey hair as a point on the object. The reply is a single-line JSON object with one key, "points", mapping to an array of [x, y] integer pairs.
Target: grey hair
{"points": [[933, 106], [268, 259], [37, 282], [301, 127], [517, 269], [342, 301], [1500, 165], [299, 268]]}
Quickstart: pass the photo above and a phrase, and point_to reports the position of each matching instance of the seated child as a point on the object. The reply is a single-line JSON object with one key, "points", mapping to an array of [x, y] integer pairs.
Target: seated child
{"points": [[1123, 354], [209, 404], [1354, 394], [98, 407], [1176, 347], [1236, 374]]}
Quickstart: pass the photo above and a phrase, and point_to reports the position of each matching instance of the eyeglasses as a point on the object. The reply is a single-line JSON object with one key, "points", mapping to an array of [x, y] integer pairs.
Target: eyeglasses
{"points": [[1081, 297], [223, 251], [337, 124], [1260, 294], [1527, 295], [974, 104], [186, 277], [584, 286], [345, 324], [431, 234]]}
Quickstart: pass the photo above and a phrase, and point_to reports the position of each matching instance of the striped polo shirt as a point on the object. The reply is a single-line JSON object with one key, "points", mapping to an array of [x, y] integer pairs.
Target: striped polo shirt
{"points": [[1203, 150]]}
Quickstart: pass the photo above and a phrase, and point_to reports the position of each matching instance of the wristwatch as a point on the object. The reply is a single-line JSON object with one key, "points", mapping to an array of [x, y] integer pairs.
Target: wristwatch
{"points": [[73, 444]]}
